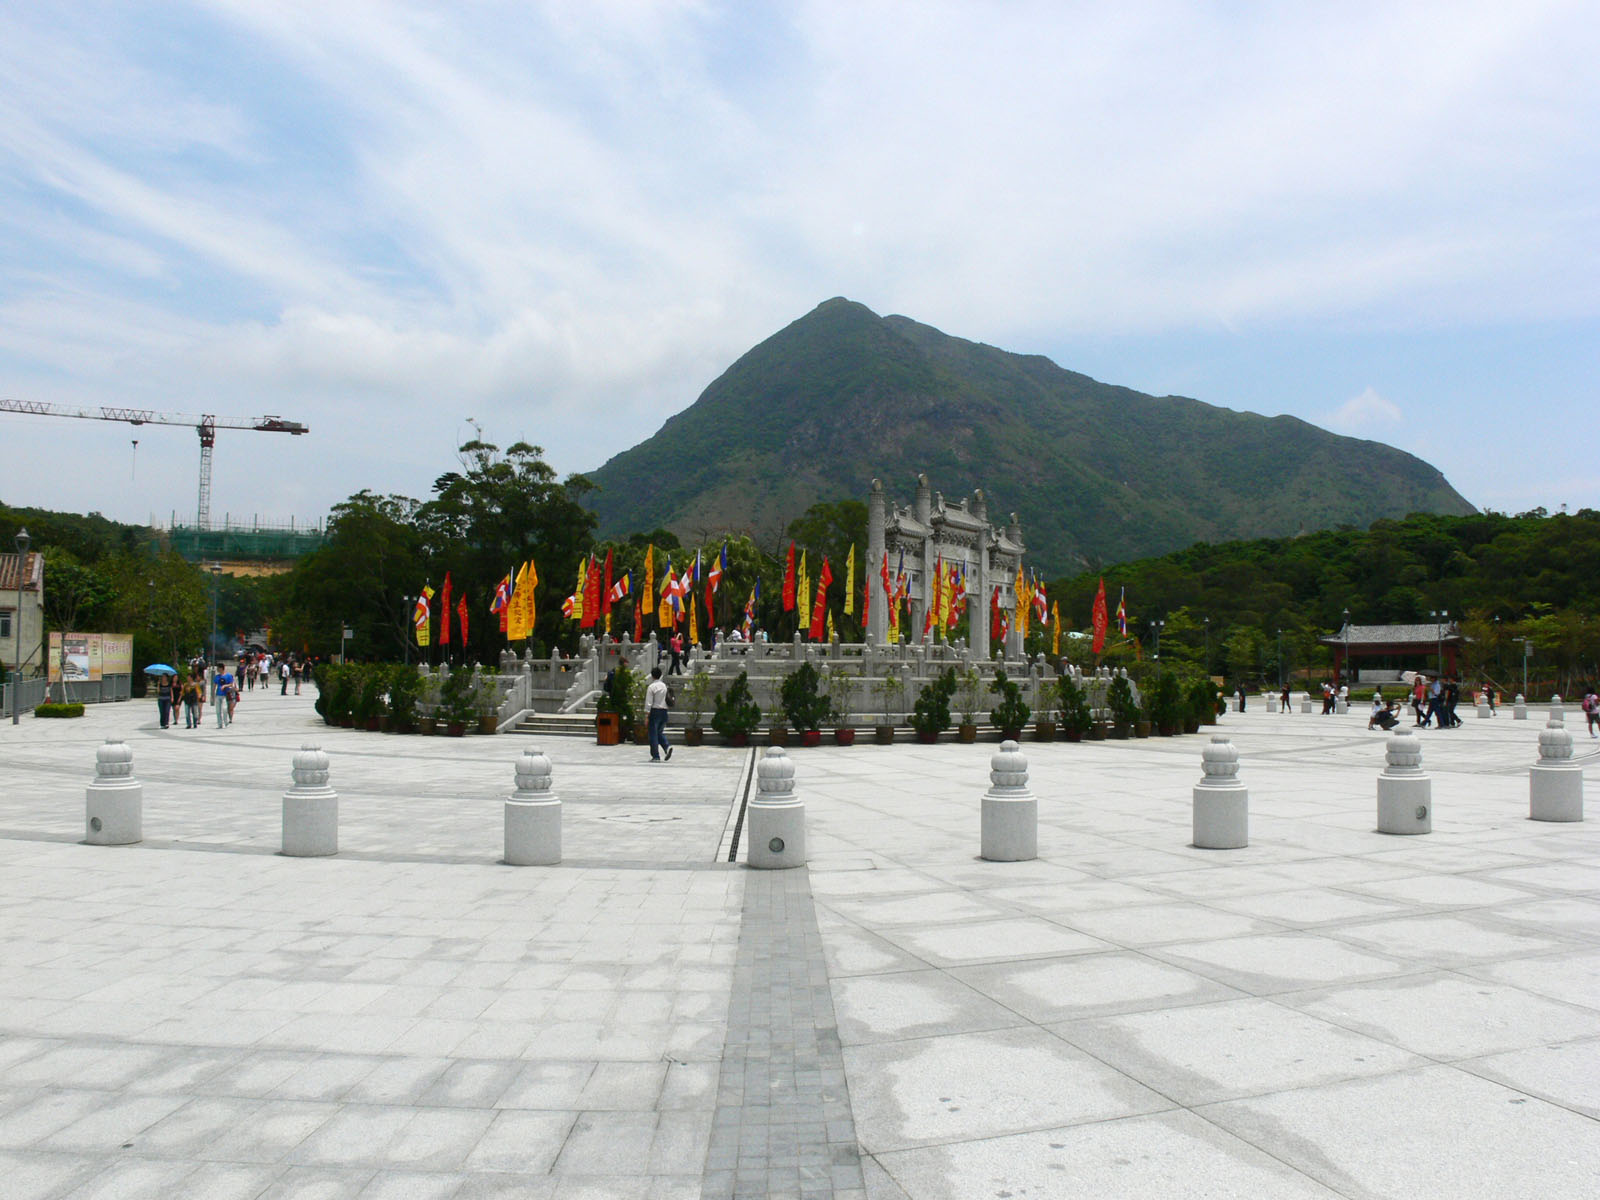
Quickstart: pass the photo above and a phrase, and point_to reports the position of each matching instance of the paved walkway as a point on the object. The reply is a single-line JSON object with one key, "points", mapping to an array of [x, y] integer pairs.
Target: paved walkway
{"points": [[1330, 1012]]}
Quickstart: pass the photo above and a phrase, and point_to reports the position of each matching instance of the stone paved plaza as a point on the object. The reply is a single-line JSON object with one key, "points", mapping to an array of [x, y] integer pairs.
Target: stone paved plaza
{"points": [[1329, 1012]]}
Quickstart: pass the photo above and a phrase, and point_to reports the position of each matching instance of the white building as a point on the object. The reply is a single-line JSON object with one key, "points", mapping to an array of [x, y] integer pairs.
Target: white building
{"points": [[29, 623]]}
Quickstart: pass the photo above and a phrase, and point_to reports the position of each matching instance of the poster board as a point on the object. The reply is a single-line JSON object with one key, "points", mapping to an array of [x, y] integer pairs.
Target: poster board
{"points": [[89, 657]]}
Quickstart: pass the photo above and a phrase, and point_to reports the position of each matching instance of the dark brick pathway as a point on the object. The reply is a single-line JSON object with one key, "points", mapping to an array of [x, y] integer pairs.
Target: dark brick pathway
{"points": [[783, 1129]]}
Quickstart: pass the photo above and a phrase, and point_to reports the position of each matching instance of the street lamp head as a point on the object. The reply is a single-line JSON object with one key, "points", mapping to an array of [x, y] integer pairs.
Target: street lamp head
{"points": [[22, 540]]}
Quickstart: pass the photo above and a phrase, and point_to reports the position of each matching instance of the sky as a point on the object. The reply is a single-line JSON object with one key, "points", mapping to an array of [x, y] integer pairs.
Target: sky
{"points": [[398, 223]]}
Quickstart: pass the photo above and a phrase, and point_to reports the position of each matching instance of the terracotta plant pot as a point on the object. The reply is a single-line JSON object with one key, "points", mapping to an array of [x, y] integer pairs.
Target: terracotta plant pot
{"points": [[372, 724], [1097, 732], [1141, 729], [1011, 735], [778, 735], [347, 722], [428, 726], [456, 728], [883, 734], [1045, 731], [489, 724], [1120, 733], [1072, 735], [844, 737], [966, 734], [926, 738], [607, 729], [811, 737], [737, 739], [694, 735]]}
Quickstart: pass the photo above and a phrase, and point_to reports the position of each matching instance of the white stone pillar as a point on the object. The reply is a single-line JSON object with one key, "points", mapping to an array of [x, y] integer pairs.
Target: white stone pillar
{"points": [[877, 546], [1010, 822], [776, 830], [1519, 708], [1405, 791], [114, 803], [533, 815], [310, 807], [1484, 710], [1341, 706], [1221, 800], [1272, 702], [1555, 783], [1305, 703]]}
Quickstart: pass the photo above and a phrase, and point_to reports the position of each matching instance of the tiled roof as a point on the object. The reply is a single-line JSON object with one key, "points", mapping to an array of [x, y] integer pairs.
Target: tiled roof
{"points": [[1377, 635], [8, 573]]}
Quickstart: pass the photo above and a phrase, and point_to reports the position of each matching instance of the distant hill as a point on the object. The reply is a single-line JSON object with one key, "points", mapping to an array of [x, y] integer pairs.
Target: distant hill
{"points": [[1097, 473]]}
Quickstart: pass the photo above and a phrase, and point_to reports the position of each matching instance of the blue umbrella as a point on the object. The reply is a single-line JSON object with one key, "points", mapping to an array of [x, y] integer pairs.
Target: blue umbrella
{"points": [[159, 669]]}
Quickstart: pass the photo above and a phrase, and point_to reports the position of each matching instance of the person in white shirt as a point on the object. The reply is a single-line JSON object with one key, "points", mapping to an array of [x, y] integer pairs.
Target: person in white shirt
{"points": [[655, 702]]}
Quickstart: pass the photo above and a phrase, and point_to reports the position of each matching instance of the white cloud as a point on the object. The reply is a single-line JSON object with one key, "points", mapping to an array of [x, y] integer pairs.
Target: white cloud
{"points": [[1367, 413]]}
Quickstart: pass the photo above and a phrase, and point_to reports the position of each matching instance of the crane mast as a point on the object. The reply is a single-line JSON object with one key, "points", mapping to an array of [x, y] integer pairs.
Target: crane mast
{"points": [[205, 425]]}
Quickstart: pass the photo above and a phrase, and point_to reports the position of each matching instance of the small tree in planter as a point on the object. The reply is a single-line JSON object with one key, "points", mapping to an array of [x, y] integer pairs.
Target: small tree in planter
{"points": [[1012, 713], [405, 689], [1166, 705], [697, 695], [891, 693], [370, 682], [842, 685], [1076, 716], [737, 714], [614, 706], [1204, 703], [1048, 697], [1124, 708], [968, 695], [804, 704], [486, 700], [335, 693], [930, 716], [456, 697], [636, 722]]}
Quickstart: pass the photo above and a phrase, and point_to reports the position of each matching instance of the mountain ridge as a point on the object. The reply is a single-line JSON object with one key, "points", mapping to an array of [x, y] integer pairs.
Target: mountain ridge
{"points": [[1097, 472]]}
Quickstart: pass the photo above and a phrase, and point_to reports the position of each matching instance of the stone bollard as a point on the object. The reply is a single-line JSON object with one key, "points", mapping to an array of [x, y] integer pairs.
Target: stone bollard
{"points": [[1519, 708], [1405, 792], [1221, 800], [533, 815], [1010, 811], [777, 817], [1484, 710], [1341, 706], [310, 807], [114, 803], [1555, 783], [1272, 702], [1305, 704]]}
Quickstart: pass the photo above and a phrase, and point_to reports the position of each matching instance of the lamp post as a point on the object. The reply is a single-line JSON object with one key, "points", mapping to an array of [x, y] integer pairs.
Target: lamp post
{"points": [[216, 574], [1497, 667], [1207, 624], [16, 628], [1155, 628], [1439, 616], [1280, 658], [1347, 642]]}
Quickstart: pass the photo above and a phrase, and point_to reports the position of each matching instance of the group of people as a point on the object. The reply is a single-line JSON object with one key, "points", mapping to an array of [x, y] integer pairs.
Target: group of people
{"points": [[217, 685]]}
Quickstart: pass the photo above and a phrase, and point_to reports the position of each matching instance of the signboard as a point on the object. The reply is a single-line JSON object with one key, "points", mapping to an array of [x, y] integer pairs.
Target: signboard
{"points": [[89, 657]]}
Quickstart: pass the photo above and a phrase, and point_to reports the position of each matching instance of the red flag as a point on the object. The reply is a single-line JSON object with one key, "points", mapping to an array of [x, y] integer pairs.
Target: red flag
{"points": [[444, 611], [638, 620], [996, 624], [461, 611], [819, 610], [605, 596], [866, 599], [591, 596], [1099, 617], [788, 582]]}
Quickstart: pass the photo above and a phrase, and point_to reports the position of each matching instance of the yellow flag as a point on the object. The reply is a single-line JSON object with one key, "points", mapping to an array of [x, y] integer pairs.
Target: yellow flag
{"points": [[422, 616], [664, 610], [849, 583], [649, 573], [830, 625], [516, 629], [1055, 635], [529, 611], [694, 619], [803, 595]]}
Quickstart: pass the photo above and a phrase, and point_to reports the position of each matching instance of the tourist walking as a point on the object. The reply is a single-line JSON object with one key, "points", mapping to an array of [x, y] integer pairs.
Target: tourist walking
{"points": [[283, 674], [1283, 700], [656, 701], [677, 653], [1241, 694], [1591, 711], [165, 692], [193, 694], [221, 686]]}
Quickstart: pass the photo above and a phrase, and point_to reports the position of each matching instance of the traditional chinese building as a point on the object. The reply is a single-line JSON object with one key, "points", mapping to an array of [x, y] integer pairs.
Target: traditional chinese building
{"points": [[28, 622], [1428, 648], [929, 531]]}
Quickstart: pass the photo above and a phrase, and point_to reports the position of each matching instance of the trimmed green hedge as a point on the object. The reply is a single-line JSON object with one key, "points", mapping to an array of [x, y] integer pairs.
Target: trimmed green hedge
{"points": [[59, 710]]}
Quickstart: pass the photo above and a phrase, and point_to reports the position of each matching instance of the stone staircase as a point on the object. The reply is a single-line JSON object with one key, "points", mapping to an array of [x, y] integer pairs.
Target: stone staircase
{"points": [[578, 724]]}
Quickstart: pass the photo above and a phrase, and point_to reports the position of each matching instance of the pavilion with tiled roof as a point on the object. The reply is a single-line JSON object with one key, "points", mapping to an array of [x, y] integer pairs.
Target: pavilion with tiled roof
{"points": [[1422, 645]]}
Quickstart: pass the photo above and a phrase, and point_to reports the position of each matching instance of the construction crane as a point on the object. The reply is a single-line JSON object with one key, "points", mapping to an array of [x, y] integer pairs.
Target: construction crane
{"points": [[206, 426]]}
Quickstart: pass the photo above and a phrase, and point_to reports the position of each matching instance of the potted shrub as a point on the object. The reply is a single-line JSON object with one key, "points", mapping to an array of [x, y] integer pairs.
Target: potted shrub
{"points": [[891, 691], [405, 689], [736, 714], [487, 702], [456, 701], [842, 686], [930, 716], [1124, 708], [612, 706], [636, 721], [1012, 712], [1166, 705], [335, 693], [1076, 717], [1204, 698], [368, 685], [1044, 721], [697, 695], [968, 695], [804, 704]]}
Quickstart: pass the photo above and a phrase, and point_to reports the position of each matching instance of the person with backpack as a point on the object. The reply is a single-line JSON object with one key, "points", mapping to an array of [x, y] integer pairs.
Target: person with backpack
{"points": [[1591, 711]]}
